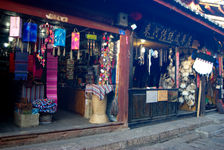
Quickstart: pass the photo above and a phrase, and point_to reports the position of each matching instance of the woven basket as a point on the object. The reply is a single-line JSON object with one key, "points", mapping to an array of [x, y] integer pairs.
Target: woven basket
{"points": [[99, 110], [45, 118]]}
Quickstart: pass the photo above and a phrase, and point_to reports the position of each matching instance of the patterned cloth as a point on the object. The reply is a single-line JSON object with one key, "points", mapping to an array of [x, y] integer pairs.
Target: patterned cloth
{"points": [[52, 67], [45, 105], [99, 90], [21, 65]]}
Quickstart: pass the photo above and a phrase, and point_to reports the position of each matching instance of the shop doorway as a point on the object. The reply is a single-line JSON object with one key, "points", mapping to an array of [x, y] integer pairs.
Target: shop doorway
{"points": [[73, 71]]}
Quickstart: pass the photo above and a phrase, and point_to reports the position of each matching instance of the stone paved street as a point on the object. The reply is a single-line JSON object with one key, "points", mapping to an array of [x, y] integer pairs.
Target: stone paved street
{"points": [[203, 133], [190, 141]]}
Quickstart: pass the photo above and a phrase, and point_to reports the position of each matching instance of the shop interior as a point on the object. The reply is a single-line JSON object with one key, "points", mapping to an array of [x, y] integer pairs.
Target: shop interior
{"points": [[70, 69], [154, 67]]}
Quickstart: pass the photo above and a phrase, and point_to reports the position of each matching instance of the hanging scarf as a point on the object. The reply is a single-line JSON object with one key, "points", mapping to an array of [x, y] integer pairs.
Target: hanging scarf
{"points": [[52, 67], [21, 65]]}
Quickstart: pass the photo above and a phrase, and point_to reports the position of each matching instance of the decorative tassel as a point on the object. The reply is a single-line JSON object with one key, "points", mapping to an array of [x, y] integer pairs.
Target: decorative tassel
{"points": [[53, 53], [78, 55], [64, 52], [20, 44], [35, 48], [22, 48], [17, 42], [27, 48], [71, 55], [59, 51]]}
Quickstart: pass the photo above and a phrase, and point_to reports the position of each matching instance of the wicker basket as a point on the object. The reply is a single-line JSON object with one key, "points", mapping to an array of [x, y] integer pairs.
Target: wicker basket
{"points": [[99, 110], [45, 118]]}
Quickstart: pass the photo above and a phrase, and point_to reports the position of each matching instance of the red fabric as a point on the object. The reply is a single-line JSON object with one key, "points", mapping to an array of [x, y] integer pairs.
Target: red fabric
{"points": [[30, 63], [11, 63]]}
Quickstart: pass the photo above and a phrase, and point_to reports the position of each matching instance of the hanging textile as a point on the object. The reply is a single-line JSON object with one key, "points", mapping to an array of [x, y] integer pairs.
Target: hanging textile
{"points": [[30, 63], [21, 65], [11, 63], [59, 37], [75, 40], [70, 69], [52, 67], [15, 27], [32, 93], [30, 32]]}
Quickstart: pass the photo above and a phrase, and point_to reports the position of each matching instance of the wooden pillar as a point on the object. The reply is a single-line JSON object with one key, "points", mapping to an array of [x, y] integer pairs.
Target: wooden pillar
{"points": [[124, 77], [203, 91]]}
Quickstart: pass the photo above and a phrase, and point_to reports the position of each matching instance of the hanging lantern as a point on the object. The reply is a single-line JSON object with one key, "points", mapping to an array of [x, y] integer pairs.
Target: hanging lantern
{"points": [[59, 37], [75, 40], [15, 27], [30, 32]]}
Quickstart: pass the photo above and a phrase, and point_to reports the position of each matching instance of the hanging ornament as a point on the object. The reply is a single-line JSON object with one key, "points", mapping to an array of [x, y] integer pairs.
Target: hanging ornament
{"points": [[30, 32], [75, 40], [59, 38], [15, 27], [46, 41]]}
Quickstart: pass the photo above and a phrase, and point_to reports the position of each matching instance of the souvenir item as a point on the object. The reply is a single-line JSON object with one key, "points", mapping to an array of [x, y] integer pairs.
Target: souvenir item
{"points": [[75, 40], [45, 105], [30, 32], [187, 84], [52, 67], [70, 69], [11, 63], [105, 60], [59, 37], [15, 27], [46, 41], [21, 65]]}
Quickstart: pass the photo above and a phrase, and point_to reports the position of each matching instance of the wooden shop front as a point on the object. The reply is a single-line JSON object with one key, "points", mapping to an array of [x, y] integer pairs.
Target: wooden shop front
{"points": [[163, 84], [76, 69]]}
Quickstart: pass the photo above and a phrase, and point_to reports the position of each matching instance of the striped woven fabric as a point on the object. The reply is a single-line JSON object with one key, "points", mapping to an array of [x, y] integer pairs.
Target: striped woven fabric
{"points": [[52, 66], [99, 90], [21, 65]]}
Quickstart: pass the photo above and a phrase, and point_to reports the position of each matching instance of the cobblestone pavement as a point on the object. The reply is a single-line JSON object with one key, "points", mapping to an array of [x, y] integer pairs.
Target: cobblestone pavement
{"points": [[190, 141]]}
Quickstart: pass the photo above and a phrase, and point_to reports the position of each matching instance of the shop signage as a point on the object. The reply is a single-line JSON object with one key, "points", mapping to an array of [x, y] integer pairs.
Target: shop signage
{"points": [[91, 36], [56, 17], [158, 32]]}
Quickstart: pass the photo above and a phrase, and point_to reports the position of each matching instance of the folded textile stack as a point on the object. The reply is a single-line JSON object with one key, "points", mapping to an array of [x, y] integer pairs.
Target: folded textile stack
{"points": [[45, 105], [52, 67]]}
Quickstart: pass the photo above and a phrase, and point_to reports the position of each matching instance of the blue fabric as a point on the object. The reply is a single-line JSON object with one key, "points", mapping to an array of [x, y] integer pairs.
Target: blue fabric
{"points": [[30, 32], [21, 65], [45, 105], [59, 37]]}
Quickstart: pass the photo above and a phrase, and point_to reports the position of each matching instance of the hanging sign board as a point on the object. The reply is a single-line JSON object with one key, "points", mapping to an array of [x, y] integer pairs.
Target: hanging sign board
{"points": [[30, 32], [91, 36], [75, 40], [15, 27], [56, 17], [158, 32], [59, 37]]}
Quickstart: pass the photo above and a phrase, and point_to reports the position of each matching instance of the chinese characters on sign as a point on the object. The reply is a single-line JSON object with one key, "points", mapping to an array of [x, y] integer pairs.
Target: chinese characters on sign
{"points": [[158, 32]]}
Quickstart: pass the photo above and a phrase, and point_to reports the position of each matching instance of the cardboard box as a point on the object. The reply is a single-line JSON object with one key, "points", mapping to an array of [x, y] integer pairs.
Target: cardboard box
{"points": [[26, 120]]}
